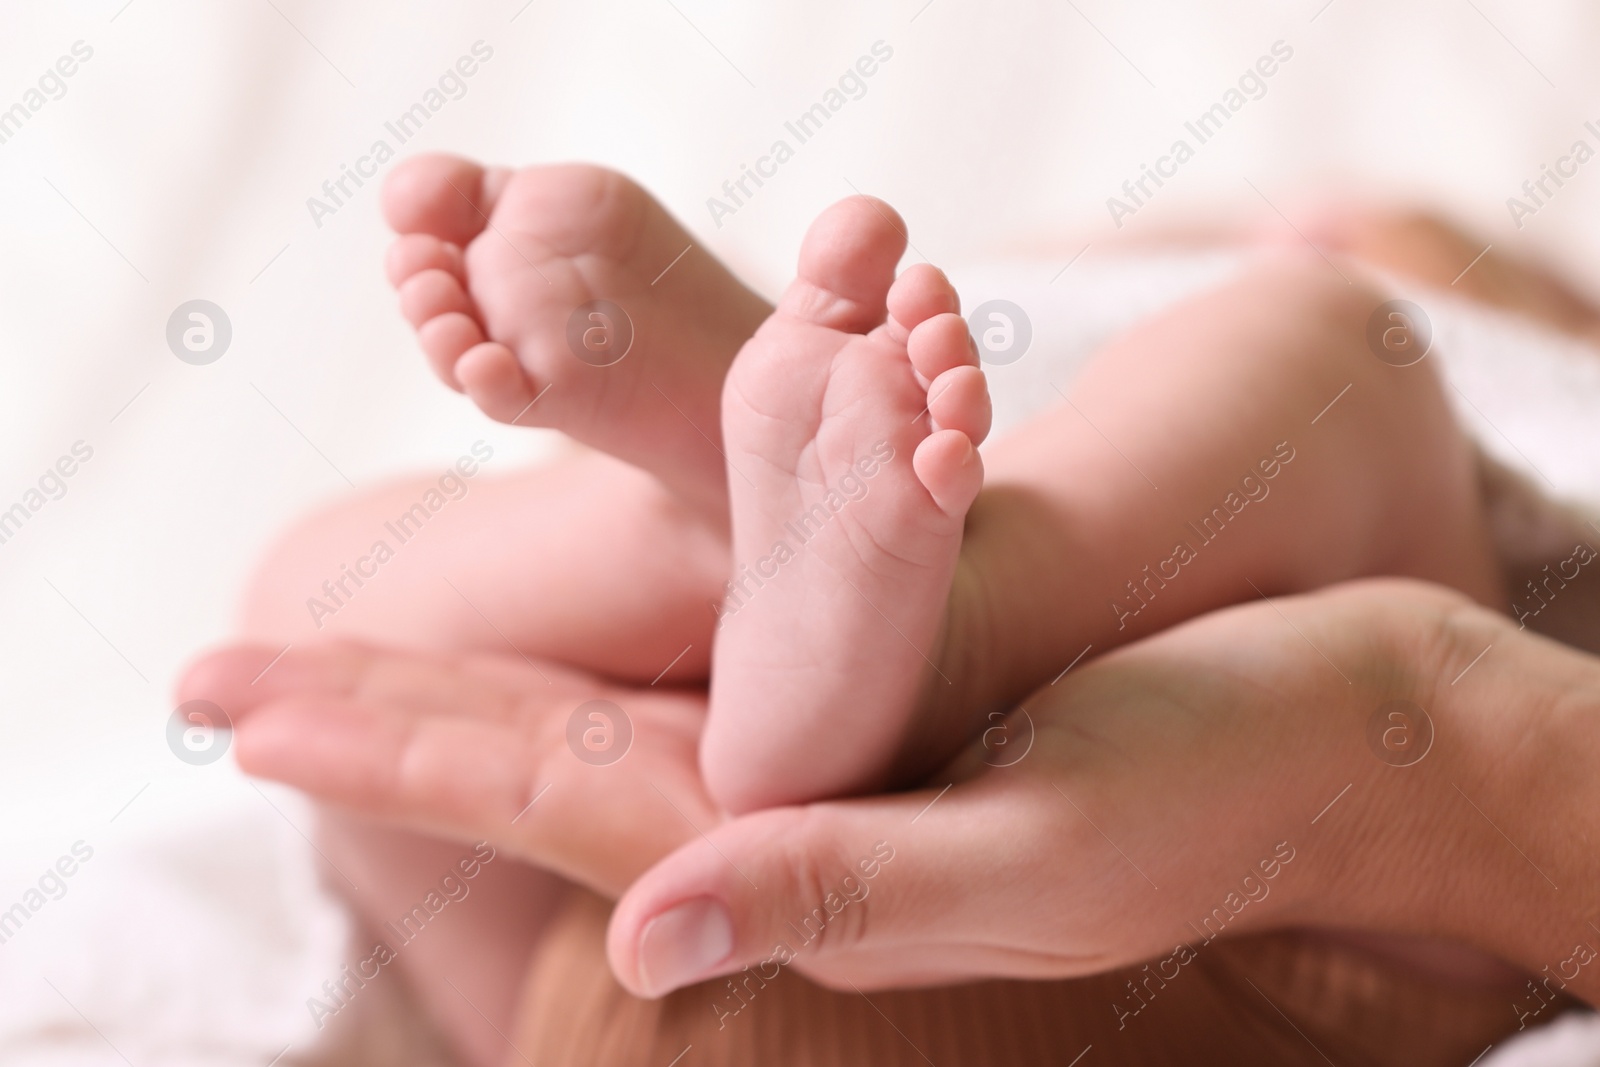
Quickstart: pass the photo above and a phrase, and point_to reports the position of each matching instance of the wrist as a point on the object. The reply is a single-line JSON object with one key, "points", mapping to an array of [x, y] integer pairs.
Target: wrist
{"points": [[1491, 835], [1500, 825], [1544, 772]]}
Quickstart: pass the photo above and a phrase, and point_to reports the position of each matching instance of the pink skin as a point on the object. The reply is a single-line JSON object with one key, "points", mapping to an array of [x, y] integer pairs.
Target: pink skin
{"points": [[1039, 504], [1190, 750], [852, 462], [458, 744], [464, 585], [623, 571], [639, 564], [1181, 423], [490, 264], [1195, 751]]}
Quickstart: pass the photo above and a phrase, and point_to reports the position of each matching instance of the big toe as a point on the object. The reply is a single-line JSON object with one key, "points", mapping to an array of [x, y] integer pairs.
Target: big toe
{"points": [[446, 196], [847, 265]]}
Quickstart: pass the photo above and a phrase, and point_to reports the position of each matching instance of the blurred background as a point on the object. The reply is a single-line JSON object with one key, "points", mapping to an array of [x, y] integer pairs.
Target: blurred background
{"points": [[176, 162]]}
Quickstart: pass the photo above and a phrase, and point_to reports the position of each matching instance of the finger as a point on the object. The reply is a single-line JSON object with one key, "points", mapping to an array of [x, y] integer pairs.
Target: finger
{"points": [[828, 883], [242, 678], [518, 784], [465, 774]]}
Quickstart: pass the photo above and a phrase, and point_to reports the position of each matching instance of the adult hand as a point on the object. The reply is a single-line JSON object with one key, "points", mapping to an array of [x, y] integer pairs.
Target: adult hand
{"points": [[474, 747], [1382, 756], [1243, 771]]}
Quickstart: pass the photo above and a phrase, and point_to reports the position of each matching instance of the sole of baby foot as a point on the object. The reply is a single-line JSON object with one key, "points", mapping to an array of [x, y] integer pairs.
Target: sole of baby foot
{"points": [[851, 421], [567, 297]]}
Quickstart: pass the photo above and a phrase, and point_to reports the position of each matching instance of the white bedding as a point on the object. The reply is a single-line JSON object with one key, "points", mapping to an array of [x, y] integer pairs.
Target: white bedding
{"points": [[177, 161]]}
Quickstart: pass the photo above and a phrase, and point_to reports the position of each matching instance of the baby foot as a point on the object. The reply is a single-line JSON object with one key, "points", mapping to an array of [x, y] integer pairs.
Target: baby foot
{"points": [[851, 469], [492, 264], [1429, 247]]}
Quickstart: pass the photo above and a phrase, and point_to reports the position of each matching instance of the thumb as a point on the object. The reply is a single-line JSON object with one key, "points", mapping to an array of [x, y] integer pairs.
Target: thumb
{"points": [[832, 882]]}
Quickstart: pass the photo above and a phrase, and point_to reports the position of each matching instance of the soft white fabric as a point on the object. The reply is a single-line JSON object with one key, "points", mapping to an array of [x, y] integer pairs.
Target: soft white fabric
{"points": [[178, 164]]}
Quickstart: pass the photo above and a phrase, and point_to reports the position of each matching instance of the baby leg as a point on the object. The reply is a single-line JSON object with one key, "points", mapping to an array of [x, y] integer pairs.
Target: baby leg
{"points": [[620, 573], [587, 560], [1244, 444]]}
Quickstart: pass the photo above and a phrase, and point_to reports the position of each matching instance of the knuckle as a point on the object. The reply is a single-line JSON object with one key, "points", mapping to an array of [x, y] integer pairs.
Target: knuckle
{"points": [[1419, 627], [1414, 636], [831, 912]]}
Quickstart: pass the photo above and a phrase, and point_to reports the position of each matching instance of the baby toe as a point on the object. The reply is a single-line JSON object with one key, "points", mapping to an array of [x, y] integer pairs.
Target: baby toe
{"points": [[492, 376], [949, 467], [847, 265], [431, 293], [413, 253], [446, 196], [444, 339], [921, 292], [959, 400], [940, 344]]}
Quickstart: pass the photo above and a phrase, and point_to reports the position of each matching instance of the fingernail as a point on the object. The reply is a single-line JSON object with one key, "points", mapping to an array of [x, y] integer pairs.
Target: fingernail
{"points": [[685, 944]]}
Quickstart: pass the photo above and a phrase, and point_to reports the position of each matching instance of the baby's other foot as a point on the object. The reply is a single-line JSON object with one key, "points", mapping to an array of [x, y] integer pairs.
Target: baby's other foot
{"points": [[1431, 248], [850, 421], [492, 266]]}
